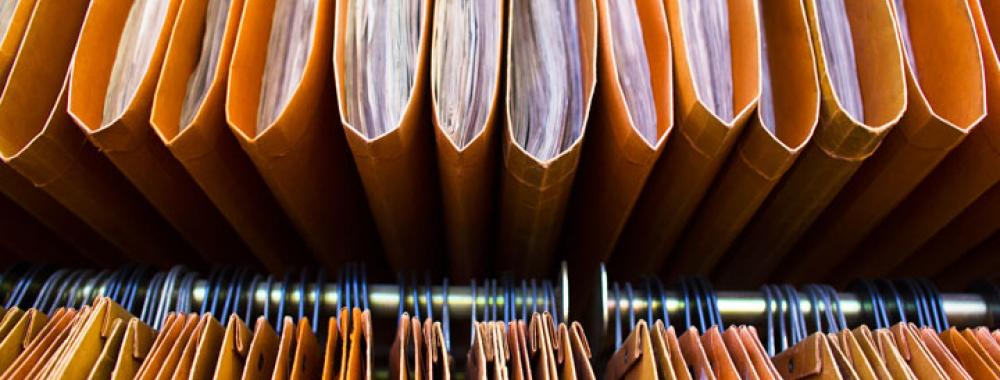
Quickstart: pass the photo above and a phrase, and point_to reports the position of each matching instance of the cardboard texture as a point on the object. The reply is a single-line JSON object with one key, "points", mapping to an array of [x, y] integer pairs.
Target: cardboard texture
{"points": [[765, 152], [635, 358], [397, 168], [40, 141], [616, 158], [136, 344], [207, 149], [468, 182], [83, 351], [233, 351], [535, 193], [811, 358], [839, 145], [695, 356], [962, 177], [129, 141], [946, 100], [699, 147], [301, 156]]}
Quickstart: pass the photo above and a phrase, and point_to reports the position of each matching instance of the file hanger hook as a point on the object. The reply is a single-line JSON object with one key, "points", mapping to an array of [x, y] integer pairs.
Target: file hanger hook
{"points": [[797, 319], [318, 299], [896, 298], [648, 283], [281, 301], [713, 302], [147, 303], [524, 300], [47, 288], [534, 297], [938, 305], [814, 303], [630, 306], [133, 288], [555, 306], [663, 301], [356, 285], [841, 318], [166, 292], [923, 307], [232, 288], [110, 287], [687, 304], [267, 297], [213, 277], [446, 315], [769, 315], [427, 295], [216, 289], [251, 295], [618, 317], [24, 286], [402, 294], [303, 274], [472, 315], [831, 320], [77, 288], [783, 305], [508, 301], [364, 286], [416, 296]]}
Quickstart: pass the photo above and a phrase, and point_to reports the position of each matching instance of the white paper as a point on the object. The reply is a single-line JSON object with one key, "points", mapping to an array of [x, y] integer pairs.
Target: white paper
{"points": [[208, 62], [633, 67], [464, 57], [288, 48], [135, 50], [546, 84], [381, 44], [838, 52], [7, 8], [706, 32]]}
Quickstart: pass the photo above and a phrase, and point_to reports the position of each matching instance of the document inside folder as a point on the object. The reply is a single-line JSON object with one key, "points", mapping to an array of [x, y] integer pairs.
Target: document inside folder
{"points": [[381, 56], [287, 52], [546, 94], [838, 49], [7, 14], [706, 28], [204, 73], [464, 63], [632, 65], [135, 50]]}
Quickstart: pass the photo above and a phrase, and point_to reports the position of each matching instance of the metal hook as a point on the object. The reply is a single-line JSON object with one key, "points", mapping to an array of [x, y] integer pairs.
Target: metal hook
{"points": [[267, 297], [663, 302], [618, 318], [472, 316], [47, 287], [302, 293], [416, 296], [934, 296], [769, 312], [687, 304], [631, 306], [649, 299], [364, 286], [133, 288], [814, 302], [446, 315], [318, 299], [281, 302], [427, 295], [524, 300], [251, 296]]}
